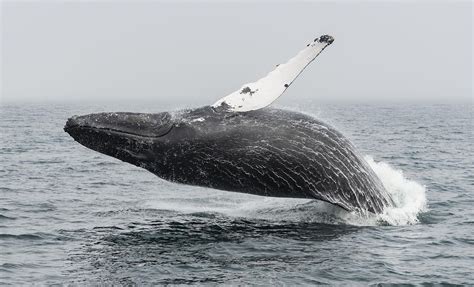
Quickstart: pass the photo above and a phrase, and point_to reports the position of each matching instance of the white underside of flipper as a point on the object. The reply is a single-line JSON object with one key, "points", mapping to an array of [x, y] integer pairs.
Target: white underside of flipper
{"points": [[259, 94]]}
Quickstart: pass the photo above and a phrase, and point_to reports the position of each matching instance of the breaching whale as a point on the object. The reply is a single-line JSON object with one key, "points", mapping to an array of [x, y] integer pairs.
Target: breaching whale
{"points": [[239, 144]]}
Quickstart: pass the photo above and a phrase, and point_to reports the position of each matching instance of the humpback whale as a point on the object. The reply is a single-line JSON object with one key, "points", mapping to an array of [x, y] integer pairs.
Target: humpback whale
{"points": [[239, 144]]}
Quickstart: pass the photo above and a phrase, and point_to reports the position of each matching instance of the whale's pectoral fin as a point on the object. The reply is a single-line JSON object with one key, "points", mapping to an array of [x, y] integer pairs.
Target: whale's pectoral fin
{"points": [[257, 95]]}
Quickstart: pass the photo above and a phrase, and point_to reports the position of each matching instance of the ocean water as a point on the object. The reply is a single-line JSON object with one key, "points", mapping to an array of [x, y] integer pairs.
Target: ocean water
{"points": [[70, 215]]}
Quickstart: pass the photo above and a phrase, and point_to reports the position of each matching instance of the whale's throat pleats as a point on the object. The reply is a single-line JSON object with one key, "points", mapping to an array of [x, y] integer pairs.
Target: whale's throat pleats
{"points": [[271, 152]]}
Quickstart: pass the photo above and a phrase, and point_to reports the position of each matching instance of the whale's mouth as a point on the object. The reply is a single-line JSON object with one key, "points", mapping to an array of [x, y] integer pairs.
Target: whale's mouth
{"points": [[122, 124]]}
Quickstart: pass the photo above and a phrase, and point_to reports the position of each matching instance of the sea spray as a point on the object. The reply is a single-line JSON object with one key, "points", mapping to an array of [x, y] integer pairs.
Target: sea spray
{"points": [[408, 195]]}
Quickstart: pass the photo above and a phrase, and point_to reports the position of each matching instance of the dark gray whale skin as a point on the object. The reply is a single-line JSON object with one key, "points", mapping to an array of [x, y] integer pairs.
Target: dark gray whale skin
{"points": [[268, 152]]}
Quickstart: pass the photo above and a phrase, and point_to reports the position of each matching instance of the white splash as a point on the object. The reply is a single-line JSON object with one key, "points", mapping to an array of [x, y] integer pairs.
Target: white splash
{"points": [[409, 196]]}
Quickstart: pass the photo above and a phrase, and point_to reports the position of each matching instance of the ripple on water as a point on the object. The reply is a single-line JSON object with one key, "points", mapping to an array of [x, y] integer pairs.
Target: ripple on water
{"points": [[27, 236], [4, 217]]}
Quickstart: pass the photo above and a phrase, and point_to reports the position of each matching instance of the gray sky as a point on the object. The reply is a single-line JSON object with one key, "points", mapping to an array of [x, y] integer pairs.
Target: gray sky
{"points": [[198, 53]]}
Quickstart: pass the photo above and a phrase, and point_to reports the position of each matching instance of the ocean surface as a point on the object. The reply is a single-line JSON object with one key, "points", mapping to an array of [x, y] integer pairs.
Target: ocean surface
{"points": [[70, 215]]}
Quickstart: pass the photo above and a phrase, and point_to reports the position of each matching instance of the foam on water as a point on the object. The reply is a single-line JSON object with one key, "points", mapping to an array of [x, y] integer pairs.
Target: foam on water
{"points": [[409, 196]]}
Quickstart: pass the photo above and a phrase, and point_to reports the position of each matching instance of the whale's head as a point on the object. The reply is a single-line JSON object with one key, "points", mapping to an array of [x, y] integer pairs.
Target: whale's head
{"points": [[155, 141], [127, 136], [176, 145]]}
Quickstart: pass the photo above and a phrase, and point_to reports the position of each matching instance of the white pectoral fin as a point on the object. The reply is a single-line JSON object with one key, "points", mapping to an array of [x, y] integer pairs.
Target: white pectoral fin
{"points": [[259, 94]]}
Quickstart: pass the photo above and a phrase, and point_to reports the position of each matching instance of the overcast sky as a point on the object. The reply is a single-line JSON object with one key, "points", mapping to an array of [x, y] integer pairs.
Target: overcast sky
{"points": [[198, 53]]}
